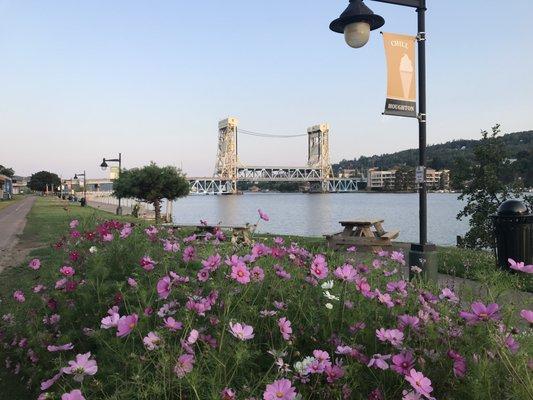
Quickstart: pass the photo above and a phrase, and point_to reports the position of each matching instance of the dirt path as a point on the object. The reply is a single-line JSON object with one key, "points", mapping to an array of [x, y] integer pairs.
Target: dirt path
{"points": [[12, 222]]}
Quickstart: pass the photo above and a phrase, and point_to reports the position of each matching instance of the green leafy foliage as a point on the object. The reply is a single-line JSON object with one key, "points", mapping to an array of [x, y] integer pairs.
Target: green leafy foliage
{"points": [[7, 171], [40, 180], [518, 145], [151, 184], [487, 180]]}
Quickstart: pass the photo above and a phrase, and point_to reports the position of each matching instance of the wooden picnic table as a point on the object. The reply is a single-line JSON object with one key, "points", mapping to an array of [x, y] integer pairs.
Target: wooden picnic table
{"points": [[362, 233], [239, 233]]}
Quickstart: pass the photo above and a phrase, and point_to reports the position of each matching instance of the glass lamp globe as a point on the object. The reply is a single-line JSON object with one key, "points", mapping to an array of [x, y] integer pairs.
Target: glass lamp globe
{"points": [[357, 34]]}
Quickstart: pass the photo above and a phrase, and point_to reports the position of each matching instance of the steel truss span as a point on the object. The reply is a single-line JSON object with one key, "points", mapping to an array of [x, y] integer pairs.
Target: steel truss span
{"points": [[210, 186]]}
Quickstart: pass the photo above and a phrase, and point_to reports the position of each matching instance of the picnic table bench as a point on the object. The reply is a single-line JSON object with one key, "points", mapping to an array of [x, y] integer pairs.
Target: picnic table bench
{"points": [[368, 233], [239, 233]]}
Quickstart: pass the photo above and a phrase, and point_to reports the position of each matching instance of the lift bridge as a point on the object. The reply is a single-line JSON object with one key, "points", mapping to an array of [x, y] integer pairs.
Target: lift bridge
{"points": [[318, 173]]}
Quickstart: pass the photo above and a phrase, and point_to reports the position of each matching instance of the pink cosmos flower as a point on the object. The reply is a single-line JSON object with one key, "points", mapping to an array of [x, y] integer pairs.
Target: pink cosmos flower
{"points": [[481, 313], [280, 389], [511, 344], [107, 237], [126, 231], [63, 347], [394, 336], [111, 321], [449, 295], [385, 298], [228, 394], [184, 365], [420, 383], [459, 363], [189, 253], [285, 328], [203, 275], [319, 267], [351, 249], [379, 361], [74, 224], [67, 271], [172, 325], [240, 273], [346, 273], [242, 331], [410, 395], [212, 262], [18, 295], [35, 264], [73, 395], [403, 362], [193, 336], [151, 341], [45, 385], [520, 266], [257, 274], [147, 263], [126, 324], [132, 282], [81, 366], [170, 247], [398, 257], [163, 287], [406, 320], [527, 315], [263, 215]]}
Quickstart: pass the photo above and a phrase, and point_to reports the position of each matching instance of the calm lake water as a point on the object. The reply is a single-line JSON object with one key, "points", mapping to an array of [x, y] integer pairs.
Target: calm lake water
{"points": [[319, 214]]}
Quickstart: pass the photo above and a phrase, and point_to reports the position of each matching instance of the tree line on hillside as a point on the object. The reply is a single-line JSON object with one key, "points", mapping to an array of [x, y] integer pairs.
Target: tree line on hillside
{"points": [[452, 155]]}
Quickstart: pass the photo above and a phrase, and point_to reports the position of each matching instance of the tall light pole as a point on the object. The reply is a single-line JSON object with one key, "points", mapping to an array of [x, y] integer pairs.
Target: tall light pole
{"points": [[355, 23], [76, 176], [104, 167]]}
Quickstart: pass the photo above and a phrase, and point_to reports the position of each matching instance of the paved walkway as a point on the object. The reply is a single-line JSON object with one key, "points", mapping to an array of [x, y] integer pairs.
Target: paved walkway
{"points": [[12, 222]]}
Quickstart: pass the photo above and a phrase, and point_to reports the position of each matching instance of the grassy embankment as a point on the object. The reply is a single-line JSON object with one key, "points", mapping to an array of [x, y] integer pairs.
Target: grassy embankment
{"points": [[6, 203]]}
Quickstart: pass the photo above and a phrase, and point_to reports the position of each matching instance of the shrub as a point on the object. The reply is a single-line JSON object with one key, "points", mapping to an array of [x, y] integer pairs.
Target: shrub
{"points": [[134, 313]]}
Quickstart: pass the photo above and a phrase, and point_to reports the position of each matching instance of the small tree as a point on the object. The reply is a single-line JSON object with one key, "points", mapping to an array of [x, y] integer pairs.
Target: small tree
{"points": [[151, 184], [6, 171], [40, 180], [485, 185]]}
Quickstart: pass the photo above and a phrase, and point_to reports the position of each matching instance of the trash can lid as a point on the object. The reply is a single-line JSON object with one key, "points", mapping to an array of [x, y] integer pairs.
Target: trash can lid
{"points": [[512, 207]]}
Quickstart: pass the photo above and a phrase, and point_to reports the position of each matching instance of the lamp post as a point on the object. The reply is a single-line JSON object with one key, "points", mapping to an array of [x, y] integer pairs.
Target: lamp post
{"points": [[355, 23], [104, 167], [77, 176]]}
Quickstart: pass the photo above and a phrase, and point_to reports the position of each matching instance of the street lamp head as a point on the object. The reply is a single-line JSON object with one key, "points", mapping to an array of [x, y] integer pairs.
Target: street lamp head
{"points": [[356, 22], [103, 165], [75, 176]]}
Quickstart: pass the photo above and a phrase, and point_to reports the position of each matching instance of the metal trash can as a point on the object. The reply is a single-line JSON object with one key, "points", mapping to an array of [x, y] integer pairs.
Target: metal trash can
{"points": [[513, 231]]}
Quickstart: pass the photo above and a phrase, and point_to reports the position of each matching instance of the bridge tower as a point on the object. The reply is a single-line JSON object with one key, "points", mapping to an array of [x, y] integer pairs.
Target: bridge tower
{"points": [[227, 159], [318, 152]]}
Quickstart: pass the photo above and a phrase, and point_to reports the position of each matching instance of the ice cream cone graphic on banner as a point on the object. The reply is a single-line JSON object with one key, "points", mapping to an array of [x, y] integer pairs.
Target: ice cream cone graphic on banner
{"points": [[401, 87], [406, 74]]}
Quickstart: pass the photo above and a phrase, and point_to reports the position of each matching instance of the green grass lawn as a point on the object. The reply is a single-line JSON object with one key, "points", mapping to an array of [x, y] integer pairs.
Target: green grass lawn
{"points": [[47, 221], [6, 203]]}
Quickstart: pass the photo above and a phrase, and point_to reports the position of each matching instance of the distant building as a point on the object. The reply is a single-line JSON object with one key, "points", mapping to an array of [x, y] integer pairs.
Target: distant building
{"points": [[20, 184], [6, 187], [386, 180], [381, 180]]}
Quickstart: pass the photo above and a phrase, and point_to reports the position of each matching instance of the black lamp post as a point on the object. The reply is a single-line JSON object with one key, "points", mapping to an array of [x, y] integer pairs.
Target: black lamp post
{"points": [[356, 22], [76, 176], [104, 167]]}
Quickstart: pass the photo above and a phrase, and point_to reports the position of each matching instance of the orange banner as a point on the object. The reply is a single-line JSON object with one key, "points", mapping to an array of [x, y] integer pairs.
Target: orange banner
{"points": [[401, 75]]}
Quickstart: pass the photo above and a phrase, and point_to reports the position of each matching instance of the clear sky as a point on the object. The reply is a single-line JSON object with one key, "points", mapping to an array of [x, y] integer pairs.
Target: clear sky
{"points": [[80, 80]]}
